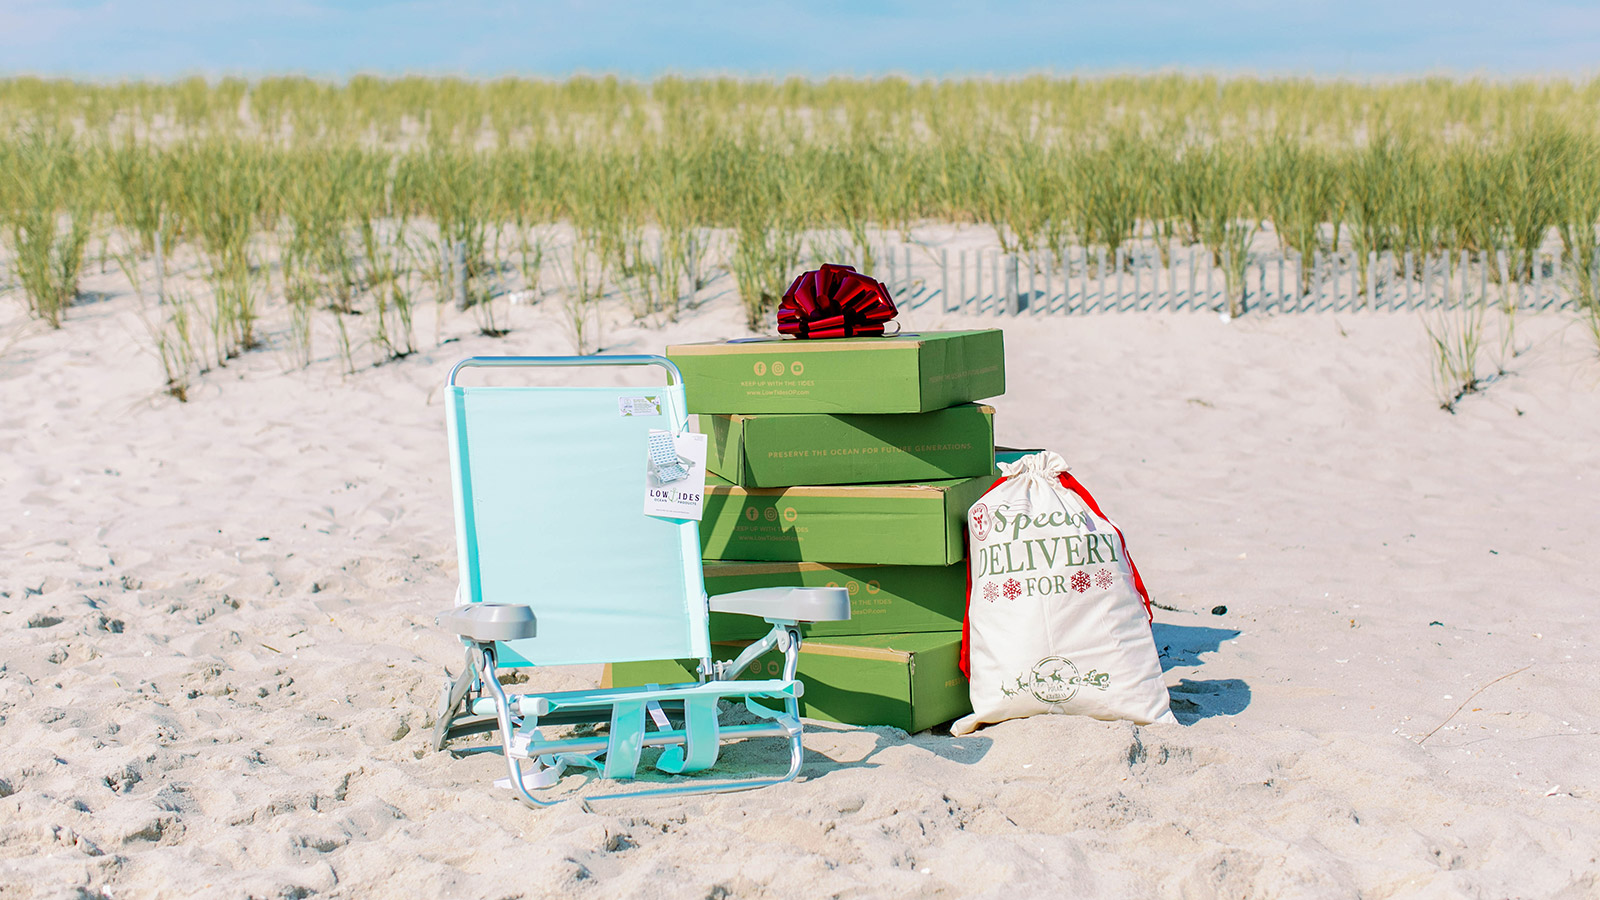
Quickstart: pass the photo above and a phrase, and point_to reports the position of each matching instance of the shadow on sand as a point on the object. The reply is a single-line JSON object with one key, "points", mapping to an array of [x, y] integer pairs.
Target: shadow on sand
{"points": [[1183, 645]]}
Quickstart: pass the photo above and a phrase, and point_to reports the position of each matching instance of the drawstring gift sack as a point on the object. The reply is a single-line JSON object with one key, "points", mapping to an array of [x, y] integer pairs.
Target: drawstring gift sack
{"points": [[1058, 620]]}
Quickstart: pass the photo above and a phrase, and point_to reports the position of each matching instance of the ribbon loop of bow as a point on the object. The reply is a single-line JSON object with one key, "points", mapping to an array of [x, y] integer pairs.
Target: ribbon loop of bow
{"points": [[835, 301]]}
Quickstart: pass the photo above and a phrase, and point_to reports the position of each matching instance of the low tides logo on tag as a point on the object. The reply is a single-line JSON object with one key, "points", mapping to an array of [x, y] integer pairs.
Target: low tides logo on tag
{"points": [[1055, 679]]}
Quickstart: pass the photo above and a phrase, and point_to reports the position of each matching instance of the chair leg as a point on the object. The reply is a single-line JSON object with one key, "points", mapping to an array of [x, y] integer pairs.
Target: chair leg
{"points": [[791, 654], [502, 707], [452, 701]]}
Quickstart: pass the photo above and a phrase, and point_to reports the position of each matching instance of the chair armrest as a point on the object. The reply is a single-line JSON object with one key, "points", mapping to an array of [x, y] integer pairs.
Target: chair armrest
{"points": [[485, 622], [787, 604]]}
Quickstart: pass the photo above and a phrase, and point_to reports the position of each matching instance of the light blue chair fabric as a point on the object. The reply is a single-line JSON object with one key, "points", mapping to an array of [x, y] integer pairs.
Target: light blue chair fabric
{"points": [[544, 475]]}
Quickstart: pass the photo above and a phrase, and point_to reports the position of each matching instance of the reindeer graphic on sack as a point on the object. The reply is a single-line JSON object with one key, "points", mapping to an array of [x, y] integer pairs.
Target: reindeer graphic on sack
{"points": [[1058, 619]]}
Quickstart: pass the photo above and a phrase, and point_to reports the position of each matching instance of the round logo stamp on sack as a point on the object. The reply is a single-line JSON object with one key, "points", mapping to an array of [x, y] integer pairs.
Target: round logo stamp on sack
{"points": [[1056, 680], [980, 521]]}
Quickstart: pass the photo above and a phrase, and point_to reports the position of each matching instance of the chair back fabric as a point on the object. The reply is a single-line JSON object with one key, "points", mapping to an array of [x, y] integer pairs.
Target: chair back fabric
{"points": [[549, 504]]}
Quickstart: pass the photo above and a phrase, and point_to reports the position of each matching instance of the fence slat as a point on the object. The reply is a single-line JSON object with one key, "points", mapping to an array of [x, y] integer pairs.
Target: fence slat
{"points": [[1346, 268], [1424, 280], [1050, 295], [944, 279], [1014, 285], [1328, 285], [1384, 265], [1505, 278], [1483, 281], [1032, 304], [460, 274], [1336, 289], [1318, 294], [1066, 280], [1538, 282], [997, 304], [976, 293], [1313, 295], [1555, 278], [1186, 292], [1100, 279], [1374, 283], [1131, 303], [1409, 276]]}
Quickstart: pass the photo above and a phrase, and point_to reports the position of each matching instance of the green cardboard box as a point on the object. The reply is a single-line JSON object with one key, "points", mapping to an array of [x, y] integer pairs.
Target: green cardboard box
{"points": [[906, 373], [919, 524], [784, 449], [883, 599], [909, 681]]}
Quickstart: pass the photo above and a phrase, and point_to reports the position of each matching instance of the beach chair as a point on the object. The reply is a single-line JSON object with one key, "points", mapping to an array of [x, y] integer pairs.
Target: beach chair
{"points": [[559, 565]]}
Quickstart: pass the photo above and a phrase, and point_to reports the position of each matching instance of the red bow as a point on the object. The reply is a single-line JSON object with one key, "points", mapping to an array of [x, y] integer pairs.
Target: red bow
{"points": [[834, 301]]}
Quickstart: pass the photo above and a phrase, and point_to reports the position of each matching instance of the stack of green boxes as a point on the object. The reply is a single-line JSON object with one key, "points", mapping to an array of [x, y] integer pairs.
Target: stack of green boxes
{"points": [[847, 463]]}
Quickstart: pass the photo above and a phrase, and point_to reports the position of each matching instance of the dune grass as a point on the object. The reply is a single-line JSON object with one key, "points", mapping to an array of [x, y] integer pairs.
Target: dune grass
{"points": [[47, 208], [371, 188], [1455, 339]]}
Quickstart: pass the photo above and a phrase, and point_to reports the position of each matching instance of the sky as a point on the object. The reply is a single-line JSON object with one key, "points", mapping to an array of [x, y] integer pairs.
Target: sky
{"points": [[160, 39]]}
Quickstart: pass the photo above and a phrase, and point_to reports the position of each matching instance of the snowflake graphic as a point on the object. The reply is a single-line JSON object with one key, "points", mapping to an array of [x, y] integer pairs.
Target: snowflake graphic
{"points": [[990, 592], [1080, 581], [1103, 579], [1013, 589]]}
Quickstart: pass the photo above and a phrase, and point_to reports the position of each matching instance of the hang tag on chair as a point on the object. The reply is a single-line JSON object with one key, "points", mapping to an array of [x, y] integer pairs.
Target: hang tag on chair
{"points": [[675, 474]]}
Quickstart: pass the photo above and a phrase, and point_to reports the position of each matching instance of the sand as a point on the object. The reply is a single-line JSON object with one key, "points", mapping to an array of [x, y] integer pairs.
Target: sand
{"points": [[218, 666]]}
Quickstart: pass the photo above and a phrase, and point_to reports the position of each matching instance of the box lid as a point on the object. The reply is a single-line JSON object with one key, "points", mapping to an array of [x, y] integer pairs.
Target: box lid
{"points": [[913, 372], [764, 343]]}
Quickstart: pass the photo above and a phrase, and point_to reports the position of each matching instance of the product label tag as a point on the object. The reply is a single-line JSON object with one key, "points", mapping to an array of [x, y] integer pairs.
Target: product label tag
{"points": [[675, 474], [639, 406]]}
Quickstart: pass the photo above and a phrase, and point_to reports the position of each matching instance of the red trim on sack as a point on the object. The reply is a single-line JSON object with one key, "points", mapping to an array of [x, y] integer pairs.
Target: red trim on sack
{"points": [[1072, 484], [965, 662]]}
